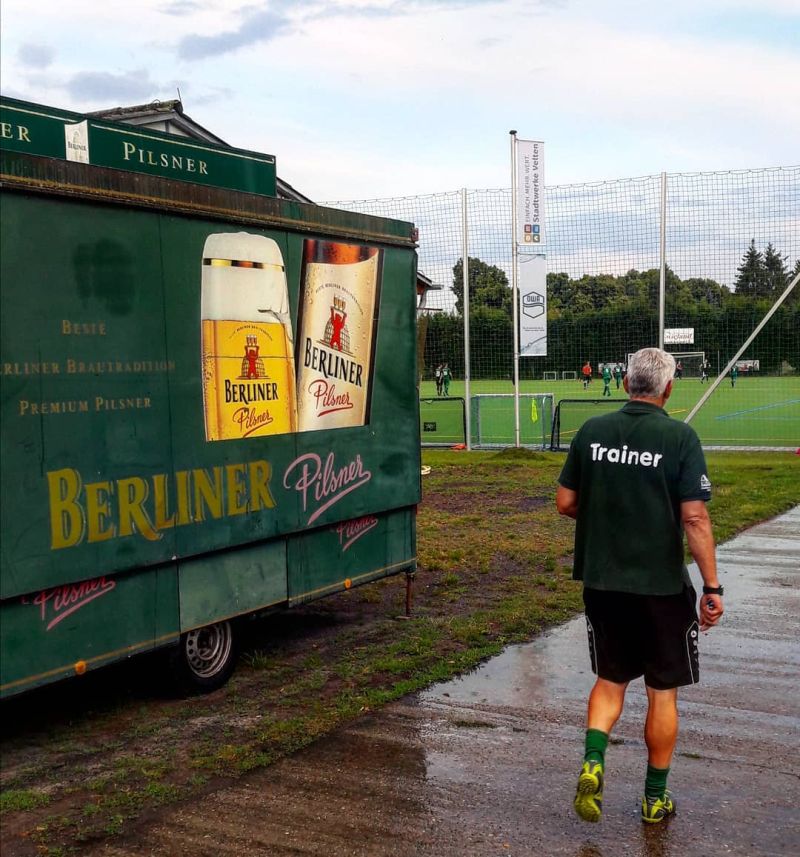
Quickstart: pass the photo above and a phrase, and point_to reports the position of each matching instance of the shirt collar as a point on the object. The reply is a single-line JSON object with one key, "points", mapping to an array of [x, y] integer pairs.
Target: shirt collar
{"points": [[639, 407]]}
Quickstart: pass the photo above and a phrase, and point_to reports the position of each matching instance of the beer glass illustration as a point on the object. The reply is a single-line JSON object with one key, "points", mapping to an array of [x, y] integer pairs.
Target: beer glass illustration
{"points": [[337, 322], [247, 348]]}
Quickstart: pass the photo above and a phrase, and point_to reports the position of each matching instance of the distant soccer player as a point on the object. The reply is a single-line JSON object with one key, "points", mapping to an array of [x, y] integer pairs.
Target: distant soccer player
{"points": [[734, 374], [639, 473], [586, 373], [679, 370], [704, 372], [618, 374], [439, 379], [606, 379]]}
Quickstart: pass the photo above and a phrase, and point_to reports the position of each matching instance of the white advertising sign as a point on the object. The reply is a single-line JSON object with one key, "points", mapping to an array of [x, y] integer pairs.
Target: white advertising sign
{"points": [[530, 193], [532, 306], [678, 336], [76, 138]]}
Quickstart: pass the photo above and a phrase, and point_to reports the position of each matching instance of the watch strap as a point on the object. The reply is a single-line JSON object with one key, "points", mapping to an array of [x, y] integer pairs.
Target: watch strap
{"points": [[713, 590]]}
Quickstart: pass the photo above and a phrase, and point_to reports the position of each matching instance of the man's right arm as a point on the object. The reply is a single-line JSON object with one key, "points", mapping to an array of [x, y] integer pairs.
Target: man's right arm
{"points": [[700, 537], [567, 502]]}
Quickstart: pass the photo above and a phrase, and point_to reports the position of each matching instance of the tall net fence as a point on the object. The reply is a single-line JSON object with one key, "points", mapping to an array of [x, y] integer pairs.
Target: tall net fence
{"points": [[732, 244]]}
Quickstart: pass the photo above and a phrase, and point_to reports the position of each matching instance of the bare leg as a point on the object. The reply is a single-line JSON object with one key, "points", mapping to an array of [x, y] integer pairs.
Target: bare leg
{"points": [[605, 704], [661, 727]]}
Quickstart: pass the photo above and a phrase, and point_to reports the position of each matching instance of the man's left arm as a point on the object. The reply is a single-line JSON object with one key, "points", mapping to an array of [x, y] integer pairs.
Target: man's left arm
{"points": [[700, 538]]}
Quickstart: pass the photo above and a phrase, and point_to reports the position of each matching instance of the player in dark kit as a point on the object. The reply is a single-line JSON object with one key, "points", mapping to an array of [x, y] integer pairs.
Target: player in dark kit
{"points": [[638, 472]]}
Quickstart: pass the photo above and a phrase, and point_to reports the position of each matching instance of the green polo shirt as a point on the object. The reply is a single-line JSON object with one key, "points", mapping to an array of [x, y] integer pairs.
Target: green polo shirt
{"points": [[632, 469]]}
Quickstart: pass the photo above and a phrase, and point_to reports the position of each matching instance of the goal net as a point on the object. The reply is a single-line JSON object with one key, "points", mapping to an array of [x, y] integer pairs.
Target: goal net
{"points": [[688, 364], [442, 421], [571, 414], [493, 419]]}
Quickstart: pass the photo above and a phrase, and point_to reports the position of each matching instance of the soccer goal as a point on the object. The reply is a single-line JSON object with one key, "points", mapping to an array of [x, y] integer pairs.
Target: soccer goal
{"points": [[569, 376], [571, 414], [492, 419], [689, 364], [550, 376], [442, 421]]}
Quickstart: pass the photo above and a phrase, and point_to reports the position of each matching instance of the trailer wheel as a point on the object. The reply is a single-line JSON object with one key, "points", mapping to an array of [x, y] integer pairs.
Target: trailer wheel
{"points": [[205, 658]]}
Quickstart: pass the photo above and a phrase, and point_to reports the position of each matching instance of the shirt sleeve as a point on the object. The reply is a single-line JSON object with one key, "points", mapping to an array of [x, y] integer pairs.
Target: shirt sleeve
{"points": [[694, 482], [570, 476]]}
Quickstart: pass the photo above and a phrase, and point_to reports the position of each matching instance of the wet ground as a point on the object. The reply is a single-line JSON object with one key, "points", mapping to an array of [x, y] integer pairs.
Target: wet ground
{"points": [[486, 764]]}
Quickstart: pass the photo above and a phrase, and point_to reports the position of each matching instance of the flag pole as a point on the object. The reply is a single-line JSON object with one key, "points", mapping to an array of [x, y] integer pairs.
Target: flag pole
{"points": [[515, 282]]}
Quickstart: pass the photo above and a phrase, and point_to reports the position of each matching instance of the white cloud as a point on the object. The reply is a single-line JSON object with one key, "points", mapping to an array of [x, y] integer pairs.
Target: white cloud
{"points": [[381, 97]]}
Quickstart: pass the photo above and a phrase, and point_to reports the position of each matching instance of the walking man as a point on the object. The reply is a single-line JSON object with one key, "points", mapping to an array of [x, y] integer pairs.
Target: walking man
{"points": [[618, 374], [447, 377], [586, 372], [439, 379], [734, 374], [638, 472], [679, 370], [606, 380], [704, 372]]}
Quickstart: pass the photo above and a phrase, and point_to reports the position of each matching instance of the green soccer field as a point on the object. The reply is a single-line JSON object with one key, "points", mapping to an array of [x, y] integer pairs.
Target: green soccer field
{"points": [[759, 411]]}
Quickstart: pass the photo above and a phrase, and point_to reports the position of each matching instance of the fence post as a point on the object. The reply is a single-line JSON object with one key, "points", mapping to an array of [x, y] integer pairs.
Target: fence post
{"points": [[465, 274]]}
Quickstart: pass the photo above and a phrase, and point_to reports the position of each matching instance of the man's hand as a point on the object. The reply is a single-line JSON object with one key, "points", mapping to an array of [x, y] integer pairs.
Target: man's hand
{"points": [[711, 611]]}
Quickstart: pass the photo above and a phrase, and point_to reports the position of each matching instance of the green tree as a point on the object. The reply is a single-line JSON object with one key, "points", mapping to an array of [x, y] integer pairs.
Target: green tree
{"points": [[775, 273], [750, 275], [705, 290], [488, 286], [794, 295]]}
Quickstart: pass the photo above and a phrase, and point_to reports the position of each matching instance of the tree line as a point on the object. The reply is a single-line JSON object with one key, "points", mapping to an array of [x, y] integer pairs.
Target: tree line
{"points": [[604, 317]]}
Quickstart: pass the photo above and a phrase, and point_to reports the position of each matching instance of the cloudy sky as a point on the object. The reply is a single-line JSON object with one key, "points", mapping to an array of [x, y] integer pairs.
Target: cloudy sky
{"points": [[376, 98]]}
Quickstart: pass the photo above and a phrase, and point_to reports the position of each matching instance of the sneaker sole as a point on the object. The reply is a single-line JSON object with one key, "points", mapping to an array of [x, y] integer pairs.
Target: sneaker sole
{"points": [[586, 799]]}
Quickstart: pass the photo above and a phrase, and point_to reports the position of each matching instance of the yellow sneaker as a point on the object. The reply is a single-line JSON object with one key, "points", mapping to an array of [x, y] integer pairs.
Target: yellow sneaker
{"points": [[656, 809], [588, 801]]}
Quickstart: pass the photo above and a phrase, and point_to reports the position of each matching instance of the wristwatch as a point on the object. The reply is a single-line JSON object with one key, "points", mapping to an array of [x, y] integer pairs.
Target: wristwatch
{"points": [[713, 590]]}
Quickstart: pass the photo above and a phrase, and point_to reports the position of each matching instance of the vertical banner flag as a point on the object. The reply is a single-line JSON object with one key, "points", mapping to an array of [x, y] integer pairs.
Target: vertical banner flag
{"points": [[532, 305], [530, 193]]}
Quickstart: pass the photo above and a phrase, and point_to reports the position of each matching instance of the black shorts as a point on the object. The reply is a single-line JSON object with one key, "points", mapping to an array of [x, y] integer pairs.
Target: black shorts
{"points": [[650, 635]]}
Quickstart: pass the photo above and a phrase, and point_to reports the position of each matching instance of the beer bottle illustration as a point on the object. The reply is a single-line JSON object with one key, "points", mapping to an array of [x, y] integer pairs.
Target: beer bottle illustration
{"points": [[246, 339], [337, 323]]}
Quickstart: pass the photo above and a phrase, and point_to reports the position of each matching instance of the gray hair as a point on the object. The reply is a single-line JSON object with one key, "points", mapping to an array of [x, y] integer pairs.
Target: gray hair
{"points": [[649, 372]]}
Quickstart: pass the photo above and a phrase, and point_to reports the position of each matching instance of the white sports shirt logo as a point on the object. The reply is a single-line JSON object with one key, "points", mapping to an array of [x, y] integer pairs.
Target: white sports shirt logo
{"points": [[705, 483]]}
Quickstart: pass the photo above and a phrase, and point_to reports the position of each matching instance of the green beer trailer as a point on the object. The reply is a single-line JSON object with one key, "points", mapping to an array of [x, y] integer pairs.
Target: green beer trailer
{"points": [[209, 404]]}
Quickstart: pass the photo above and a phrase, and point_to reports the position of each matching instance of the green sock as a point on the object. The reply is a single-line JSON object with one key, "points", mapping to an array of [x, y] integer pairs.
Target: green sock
{"points": [[656, 783], [596, 743]]}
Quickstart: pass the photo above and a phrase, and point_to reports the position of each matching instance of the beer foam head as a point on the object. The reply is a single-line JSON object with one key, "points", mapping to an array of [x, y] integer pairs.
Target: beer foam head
{"points": [[243, 278], [242, 247]]}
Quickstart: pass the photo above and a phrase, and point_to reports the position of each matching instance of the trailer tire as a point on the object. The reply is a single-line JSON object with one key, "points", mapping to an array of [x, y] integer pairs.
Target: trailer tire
{"points": [[204, 658]]}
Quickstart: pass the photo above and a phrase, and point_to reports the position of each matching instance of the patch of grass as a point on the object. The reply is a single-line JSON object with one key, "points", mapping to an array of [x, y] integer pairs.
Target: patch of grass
{"points": [[16, 800]]}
